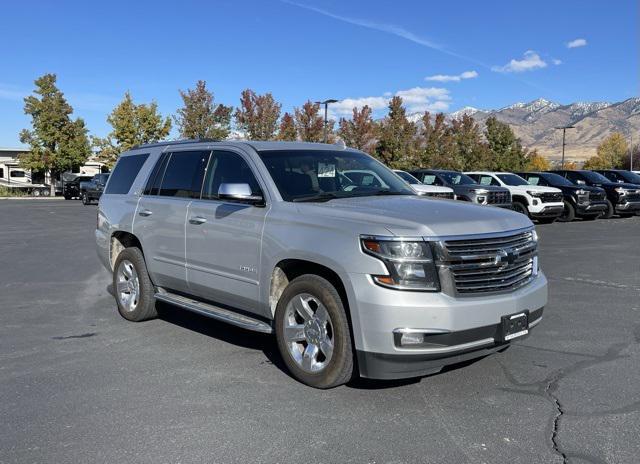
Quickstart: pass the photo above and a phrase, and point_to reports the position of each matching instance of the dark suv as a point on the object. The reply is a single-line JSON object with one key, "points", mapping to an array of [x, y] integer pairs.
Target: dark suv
{"points": [[71, 188], [92, 190], [622, 198], [465, 188], [581, 201], [620, 176]]}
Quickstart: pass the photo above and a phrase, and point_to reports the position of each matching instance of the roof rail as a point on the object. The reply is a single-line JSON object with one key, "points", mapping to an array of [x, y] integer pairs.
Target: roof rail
{"points": [[172, 142]]}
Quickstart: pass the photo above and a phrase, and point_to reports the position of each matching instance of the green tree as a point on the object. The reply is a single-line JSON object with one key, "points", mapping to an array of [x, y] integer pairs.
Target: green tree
{"points": [[470, 151], [200, 117], [258, 115], [132, 125], [360, 131], [57, 143], [396, 144], [287, 130], [507, 153], [436, 145], [309, 123]]}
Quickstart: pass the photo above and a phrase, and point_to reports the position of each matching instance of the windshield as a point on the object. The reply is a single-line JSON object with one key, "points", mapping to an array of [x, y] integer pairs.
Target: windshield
{"points": [[457, 178], [629, 176], [556, 179], [408, 177], [594, 177], [304, 175], [512, 179]]}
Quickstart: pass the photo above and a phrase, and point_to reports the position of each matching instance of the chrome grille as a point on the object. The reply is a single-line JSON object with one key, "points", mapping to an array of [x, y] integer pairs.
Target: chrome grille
{"points": [[551, 197], [498, 198], [490, 265], [632, 195]]}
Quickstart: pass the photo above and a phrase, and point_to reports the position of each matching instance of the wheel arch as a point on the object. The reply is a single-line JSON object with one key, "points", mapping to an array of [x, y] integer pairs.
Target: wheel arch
{"points": [[520, 199], [120, 240]]}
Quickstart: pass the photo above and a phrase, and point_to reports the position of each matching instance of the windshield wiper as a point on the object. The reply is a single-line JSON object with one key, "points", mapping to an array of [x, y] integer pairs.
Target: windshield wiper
{"points": [[325, 196], [387, 192]]}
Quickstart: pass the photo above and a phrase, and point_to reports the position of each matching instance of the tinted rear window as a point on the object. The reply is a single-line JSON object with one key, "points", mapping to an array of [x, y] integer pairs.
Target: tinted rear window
{"points": [[125, 173]]}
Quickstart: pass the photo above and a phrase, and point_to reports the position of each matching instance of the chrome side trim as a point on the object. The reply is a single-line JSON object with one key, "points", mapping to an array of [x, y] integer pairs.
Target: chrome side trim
{"points": [[221, 314], [424, 331]]}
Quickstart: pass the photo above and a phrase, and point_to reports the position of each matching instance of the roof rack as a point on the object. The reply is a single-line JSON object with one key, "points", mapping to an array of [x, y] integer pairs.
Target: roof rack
{"points": [[172, 142]]}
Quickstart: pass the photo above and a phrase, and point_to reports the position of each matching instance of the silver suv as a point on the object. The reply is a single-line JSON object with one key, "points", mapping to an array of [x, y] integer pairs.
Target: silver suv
{"points": [[351, 279]]}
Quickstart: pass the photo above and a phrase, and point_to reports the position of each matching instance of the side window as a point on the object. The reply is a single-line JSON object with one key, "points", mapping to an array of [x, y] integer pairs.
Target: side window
{"points": [[573, 176], [535, 180], [1, 173], [184, 173], [125, 173], [226, 167], [430, 179], [155, 179]]}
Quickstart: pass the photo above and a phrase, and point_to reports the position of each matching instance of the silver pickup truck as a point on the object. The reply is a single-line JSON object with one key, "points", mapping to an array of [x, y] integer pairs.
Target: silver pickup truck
{"points": [[351, 279]]}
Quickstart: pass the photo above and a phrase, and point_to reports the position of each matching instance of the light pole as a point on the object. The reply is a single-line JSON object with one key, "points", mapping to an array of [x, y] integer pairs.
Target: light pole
{"points": [[564, 133], [326, 121]]}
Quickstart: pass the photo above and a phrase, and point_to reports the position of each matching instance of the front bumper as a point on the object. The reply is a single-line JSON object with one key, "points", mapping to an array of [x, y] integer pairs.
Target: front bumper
{"points": [[481, 342], [628, 207], [554, 210], [589, 209], [380, 311]]}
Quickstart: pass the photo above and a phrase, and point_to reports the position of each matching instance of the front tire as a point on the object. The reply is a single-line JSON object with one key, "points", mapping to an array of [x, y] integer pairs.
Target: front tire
{"points": [[313, 333], [569, 213], [132, 286], [520, 208], [609, 212], [84, 199]]}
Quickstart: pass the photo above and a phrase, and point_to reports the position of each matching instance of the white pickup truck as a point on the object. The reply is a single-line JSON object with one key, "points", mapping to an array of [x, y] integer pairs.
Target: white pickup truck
{"points": [[545, 204]]}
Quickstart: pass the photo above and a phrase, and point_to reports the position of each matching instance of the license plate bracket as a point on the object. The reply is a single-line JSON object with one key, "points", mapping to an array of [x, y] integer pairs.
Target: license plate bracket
{"points": [[514, 326]]}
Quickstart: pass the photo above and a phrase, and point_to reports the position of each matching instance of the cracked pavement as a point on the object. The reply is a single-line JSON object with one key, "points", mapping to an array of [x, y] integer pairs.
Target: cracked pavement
{"points": [[80, 384]]}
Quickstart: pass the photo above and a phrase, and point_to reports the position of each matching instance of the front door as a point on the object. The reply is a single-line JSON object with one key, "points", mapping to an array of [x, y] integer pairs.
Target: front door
{"points": [[161, 215], [223, 238]]}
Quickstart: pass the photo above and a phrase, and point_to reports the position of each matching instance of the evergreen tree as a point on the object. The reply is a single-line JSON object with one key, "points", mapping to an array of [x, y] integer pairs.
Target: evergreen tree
{"points": [[396, 144], [258, 115], [309, 123], [506, 150], [200, 117], [436, 144], [132, 125], [287, 130], [470, 152], [360, 131], [56, 142]]}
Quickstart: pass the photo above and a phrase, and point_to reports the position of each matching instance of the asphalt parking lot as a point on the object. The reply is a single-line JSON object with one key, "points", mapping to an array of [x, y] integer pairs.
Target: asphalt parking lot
{"points": [[80, 384]]}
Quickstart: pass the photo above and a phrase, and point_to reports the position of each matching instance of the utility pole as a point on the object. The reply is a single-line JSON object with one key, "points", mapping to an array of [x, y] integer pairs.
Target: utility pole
{"points": [[326, 121], [564, 133]]}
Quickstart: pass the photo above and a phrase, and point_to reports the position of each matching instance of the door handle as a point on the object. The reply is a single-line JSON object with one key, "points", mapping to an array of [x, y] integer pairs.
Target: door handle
{"points": [[197, 220], [145, 212]]}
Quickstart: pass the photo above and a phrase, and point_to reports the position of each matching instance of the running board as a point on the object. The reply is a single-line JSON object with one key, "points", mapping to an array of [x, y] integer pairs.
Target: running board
{"points": [[215, 312]]}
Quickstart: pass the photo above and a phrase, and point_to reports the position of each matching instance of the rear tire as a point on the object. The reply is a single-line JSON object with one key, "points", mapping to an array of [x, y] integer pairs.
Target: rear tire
{"points": [[313, 333], [569, 213], [132, 286], [609, 212], [520, 208]]}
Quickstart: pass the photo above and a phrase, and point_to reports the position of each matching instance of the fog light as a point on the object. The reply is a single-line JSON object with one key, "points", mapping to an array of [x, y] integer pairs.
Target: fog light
{"points": [[412, 339], [482, 200], [535, 202]]}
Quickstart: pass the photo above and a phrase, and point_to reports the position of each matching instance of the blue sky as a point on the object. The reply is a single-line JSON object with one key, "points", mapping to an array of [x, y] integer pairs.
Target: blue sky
{"points": [[483, 54]]}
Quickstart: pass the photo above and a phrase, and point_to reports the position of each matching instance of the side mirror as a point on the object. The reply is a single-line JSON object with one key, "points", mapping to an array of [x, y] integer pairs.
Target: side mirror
{"points": [[581, 182], [239, 192]]}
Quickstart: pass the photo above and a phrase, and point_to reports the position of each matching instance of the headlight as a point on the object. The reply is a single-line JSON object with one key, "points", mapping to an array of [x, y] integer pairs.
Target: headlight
{"points": [[533, 194], [581, 192], [621, 190], [409, 262], [479, 190]]}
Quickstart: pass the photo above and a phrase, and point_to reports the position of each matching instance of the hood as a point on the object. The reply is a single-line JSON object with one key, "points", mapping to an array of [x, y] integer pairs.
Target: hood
{"points": [[533, 188], [490, 188], [419, 216], [614, 185], [430, 188]]}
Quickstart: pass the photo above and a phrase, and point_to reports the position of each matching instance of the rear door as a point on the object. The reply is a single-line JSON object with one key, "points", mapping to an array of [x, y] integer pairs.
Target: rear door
{"points": [[160, 218], [223, 238]]}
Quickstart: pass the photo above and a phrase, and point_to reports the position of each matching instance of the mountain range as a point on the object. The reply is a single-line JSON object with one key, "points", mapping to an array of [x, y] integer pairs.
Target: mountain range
{"points": [[535, 123]]}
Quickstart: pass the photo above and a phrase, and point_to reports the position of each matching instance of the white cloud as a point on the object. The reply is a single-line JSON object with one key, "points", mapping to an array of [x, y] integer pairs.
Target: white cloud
{"points": [[530, 61], [417, 99], [577, 43], [452, 78], [556, 61]]}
